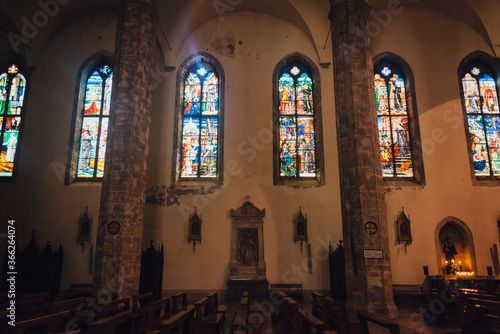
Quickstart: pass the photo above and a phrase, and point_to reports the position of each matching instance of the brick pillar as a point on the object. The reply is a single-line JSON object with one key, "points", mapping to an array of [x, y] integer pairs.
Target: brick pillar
{"points": [[369, 280], [118, 256]]}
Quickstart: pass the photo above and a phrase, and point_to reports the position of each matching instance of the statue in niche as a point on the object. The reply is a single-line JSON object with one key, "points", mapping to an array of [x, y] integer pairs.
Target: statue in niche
{"points": [[449, 249], [247, 248]]}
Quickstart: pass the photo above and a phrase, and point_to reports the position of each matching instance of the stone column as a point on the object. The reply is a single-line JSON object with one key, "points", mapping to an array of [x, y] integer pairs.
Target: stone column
{"points": [[369, 279], [118, 256]]}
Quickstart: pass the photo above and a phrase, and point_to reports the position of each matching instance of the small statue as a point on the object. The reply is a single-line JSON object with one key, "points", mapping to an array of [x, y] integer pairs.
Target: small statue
{"points": [[449, 249]]}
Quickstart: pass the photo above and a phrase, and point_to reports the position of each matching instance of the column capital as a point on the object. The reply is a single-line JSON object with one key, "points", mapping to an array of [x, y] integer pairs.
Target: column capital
{"points": [[348, 7]]}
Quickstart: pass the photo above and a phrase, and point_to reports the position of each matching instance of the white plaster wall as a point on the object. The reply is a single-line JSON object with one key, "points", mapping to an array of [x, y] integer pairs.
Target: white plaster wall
{"points": [[433, 45], [260, 41]]}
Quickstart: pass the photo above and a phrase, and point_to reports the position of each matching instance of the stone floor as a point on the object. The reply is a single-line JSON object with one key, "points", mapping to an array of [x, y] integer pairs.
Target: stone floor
{"points": [[410, 321]]}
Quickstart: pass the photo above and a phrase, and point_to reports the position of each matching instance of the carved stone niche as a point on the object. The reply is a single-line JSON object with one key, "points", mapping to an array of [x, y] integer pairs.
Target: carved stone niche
{"points": [[247, 243], [84, 228], [404, 229], [300, 228], [194, 229]]}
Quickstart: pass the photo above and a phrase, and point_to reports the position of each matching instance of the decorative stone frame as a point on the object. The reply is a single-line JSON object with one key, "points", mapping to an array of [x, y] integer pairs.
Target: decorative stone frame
{"points": [[96, 61], [300, 228], [247, 217], [403, 225], [319, 180], [199, 185], [195, 225], [388, 58], [7, 59], [484, 60], [467, 238]]}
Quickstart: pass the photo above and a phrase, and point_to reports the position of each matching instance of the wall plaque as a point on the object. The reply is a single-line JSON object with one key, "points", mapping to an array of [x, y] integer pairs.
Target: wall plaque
{"points": [[372, 254], [114, 227]]}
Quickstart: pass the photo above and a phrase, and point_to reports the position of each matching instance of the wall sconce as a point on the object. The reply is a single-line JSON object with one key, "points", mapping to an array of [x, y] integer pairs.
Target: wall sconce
{"points": [[300, 228], [194, 229], [84, 228]]}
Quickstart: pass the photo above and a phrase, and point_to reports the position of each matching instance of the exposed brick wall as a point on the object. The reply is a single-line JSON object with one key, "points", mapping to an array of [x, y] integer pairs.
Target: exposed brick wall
{"points": [[117, 265], [369, 281]]}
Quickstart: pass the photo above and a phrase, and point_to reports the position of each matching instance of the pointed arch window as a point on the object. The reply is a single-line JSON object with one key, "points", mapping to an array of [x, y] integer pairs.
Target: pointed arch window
{"points": [[94, 130], [480, 99], [88, 140], [298, 160], [12, 98], [199, 157], [399, 143]]}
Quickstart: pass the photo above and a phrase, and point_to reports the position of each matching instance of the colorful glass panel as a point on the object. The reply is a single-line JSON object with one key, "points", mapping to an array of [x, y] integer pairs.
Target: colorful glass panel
{"points": [[93, 95], [401, 144], [304, 95], [478, 143], [16, 98], [493, 138], [287, 94], [3, 92], [200, 133], [288, 139], [393, 124], [471, 94], [88, 147], [305, 144], [208, 166], [381, 97], [210, 100], [190, 147], [103, 138], [107, 95], [385, 140], [397, 95], [192, 95], [489, 94]]}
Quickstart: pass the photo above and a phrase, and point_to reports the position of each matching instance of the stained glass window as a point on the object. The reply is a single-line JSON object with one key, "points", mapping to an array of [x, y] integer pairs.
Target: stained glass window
{"points": [[483, 117], [94, 131], [200, 123], [393, 123], [12, 95], [297, 148]]}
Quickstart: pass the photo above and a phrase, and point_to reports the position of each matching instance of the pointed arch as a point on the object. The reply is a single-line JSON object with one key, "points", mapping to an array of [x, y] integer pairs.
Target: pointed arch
{"points": [[399, 134], [14, 82], [199, 123], [91, 112], [479, 80], [461, 236], [297, 123]]}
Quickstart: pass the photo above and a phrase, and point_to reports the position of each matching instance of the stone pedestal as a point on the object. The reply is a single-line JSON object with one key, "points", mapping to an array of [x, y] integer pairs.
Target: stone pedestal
{"points": [[119, 239], [364, 222], [258, 289]]}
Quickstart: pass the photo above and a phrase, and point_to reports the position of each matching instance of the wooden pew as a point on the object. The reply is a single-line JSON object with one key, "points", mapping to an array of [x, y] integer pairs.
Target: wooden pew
{"points": [[71, 295], [481, 316], [218, 308], [240, 319], [122, 322], [140, 307], [292, 290], [158, 311], [311, 324], [317, 304], [67, 305], [290, 317], [335, 316], [181, 320], [206, 321], [32, 305], [52, 323], [365, 317], [114, 307], [176, 298]]}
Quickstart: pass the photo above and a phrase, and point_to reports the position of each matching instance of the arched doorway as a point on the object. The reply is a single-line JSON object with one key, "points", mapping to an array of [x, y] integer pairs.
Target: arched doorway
{"points": [[454, 247]]}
